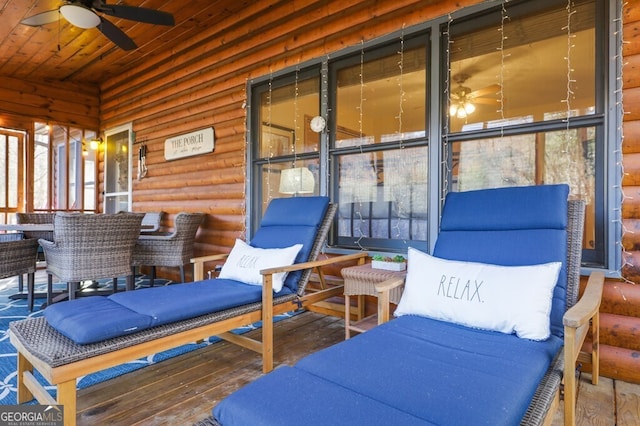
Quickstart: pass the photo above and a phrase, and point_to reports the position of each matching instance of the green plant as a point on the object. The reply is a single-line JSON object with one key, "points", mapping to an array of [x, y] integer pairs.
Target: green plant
{"points": [[397, 258]]}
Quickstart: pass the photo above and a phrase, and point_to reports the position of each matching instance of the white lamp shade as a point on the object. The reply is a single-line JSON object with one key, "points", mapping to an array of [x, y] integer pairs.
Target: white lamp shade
{"points": [[80, 16], [298, 180]]}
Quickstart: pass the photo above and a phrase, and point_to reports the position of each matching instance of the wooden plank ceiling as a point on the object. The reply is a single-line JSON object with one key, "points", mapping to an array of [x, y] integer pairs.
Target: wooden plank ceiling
{"points": [[61, 52]]}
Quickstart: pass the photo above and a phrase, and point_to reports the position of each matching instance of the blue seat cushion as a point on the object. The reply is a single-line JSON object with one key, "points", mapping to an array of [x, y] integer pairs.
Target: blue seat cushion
{"points": [[96, 318], [178, 302], [440, 372], [515, 226], [289, 221], [92, 319], [317, 402]]}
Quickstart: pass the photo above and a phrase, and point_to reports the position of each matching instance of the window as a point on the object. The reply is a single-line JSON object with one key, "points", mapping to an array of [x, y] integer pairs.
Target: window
{"points": [[68, 177], [286, 150], [513, 118], [379, 148], [11, 173], [518, 97]]}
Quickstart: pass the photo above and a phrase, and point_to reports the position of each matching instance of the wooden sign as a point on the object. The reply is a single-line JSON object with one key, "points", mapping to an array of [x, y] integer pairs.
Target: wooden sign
{"points": [[194, 143]]}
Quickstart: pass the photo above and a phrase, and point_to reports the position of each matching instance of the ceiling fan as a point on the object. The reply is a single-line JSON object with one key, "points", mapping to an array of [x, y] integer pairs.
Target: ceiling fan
{"points": [[463, 99], [85, 14]]}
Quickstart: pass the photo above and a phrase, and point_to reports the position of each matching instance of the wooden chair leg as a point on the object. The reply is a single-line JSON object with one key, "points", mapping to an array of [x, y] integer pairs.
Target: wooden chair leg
{"points": [[20, 283], [115, 285], [182, 279]]}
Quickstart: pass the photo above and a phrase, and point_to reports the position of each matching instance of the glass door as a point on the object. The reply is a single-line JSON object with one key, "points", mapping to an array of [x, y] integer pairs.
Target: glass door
{"points": [[117, 175]]}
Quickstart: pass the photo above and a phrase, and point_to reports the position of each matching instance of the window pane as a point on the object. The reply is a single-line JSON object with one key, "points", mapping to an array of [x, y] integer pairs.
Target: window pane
{"points": [[89, 193], [382, 196], [41, 168], [282, 179], [565, 156], [528, 77], [75, 170], [285, 114], [378, 99], [60, 169], [13, 161], [117, 164]]}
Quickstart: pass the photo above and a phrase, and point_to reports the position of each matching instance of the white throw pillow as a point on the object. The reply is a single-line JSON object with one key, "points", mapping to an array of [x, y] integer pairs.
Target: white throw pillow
{"points": [[500, 298], [245, 263]]}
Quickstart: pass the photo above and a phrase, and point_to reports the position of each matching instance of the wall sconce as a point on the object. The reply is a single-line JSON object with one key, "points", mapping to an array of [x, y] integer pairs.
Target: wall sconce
{"points": [[95, 143], [298, 180]]}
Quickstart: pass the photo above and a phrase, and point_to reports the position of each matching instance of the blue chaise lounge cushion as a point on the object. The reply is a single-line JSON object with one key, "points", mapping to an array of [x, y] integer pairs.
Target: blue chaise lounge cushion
{"points": [[287, 221], [422, 369], [504, 232], [93, 319]]}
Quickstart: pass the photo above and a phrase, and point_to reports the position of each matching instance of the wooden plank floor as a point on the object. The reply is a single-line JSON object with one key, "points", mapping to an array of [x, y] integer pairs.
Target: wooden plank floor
{"points": [[183, 390]]}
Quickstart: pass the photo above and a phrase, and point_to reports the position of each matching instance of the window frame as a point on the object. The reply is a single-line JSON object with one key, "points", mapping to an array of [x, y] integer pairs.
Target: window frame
{"points": [[607, 120]]}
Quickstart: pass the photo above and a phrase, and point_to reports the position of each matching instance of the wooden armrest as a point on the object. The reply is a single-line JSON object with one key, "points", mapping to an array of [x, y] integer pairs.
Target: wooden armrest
{"points": [[209, 258], [576, 322], [389, 284], [383, 289], [588, 305], [198, 264], [315, 263]]}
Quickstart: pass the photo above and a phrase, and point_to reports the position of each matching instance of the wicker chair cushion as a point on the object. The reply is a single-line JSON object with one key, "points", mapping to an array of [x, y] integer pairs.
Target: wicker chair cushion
{"points": [[290, 221], [529, 232], [133, 311]]}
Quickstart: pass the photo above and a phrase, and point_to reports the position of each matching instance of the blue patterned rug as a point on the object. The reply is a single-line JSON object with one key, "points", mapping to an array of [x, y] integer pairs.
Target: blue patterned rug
{"points": [[12, 310]]}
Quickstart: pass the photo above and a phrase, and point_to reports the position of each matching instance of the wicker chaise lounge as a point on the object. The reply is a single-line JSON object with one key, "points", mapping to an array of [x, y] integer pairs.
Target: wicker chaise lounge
{"points": [[61, 361], [482, 335]]}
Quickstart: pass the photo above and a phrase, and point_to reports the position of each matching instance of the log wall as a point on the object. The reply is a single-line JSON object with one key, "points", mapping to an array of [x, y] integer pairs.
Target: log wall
{"points": [[65, 103], [620, 310]]}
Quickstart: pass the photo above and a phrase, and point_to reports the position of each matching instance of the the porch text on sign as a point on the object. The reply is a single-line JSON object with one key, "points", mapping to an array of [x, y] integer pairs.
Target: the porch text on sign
{"points": [[194, 143]]}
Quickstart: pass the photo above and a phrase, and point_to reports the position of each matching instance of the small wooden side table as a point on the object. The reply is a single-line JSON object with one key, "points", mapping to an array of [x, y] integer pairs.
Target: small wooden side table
{"points": [[360, 281]]}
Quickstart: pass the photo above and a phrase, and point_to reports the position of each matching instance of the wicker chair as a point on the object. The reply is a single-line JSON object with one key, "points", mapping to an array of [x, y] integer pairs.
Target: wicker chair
{"points": [[169, 249], [91, 247], [151, 222], [19, 257], [35, 218]]}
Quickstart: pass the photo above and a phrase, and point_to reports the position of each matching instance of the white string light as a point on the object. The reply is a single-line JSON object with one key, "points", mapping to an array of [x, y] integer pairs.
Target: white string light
{"points": [[360, 135], [618, 154], [504, 17], [270, 136], [247, 130], [403, 162], [447, 93]]}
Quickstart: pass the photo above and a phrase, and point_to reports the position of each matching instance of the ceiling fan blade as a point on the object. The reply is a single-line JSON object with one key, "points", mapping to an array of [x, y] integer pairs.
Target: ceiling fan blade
{"points": [[133, 13], [485, 101], [116, 35], [42, 18], [489, 90]]}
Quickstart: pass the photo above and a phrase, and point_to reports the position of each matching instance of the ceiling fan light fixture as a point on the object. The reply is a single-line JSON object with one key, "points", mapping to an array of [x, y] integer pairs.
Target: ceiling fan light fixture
{"points": [[80, 16]]}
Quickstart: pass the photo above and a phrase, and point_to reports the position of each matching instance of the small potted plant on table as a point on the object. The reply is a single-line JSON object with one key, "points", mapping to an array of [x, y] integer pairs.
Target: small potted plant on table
{"points": [[396, 263]]}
